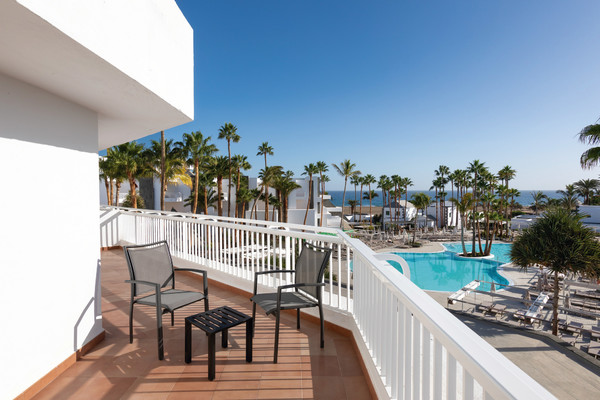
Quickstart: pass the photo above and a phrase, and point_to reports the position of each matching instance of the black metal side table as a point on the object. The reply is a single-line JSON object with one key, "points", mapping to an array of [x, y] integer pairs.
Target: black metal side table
{"points": [[213, 321]]}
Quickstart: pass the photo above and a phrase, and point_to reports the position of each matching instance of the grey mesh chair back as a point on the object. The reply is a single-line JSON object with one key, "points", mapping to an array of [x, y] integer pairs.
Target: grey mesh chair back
{"points": [[151, 263], [310, 267]]}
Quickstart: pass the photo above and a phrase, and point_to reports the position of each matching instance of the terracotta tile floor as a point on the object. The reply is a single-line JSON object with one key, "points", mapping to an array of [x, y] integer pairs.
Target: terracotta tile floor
{"points": [[115, 369]]}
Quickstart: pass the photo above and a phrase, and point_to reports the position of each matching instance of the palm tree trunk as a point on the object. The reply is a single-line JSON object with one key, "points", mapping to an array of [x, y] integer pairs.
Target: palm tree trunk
{"points": [[163, 180], [108, 195], [266, 199], [229, 180], [117, 189], [343, 202], [237, 190], [196, 178], [219, 194], [322, 197], [309, 198], [132, 186], [205, 201], [360, 206], [370, 207]]}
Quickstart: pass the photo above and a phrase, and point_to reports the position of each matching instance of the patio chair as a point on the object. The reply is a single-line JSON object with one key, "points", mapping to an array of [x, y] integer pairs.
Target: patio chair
{"points": [[308, 276], [151, 270]]}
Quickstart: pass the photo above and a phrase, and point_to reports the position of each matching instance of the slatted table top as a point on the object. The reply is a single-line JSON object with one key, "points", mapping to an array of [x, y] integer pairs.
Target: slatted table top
{"points": [[218, 319]]}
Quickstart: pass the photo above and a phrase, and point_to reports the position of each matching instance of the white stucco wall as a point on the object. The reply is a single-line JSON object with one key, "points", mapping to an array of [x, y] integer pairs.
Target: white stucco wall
{"points": [[49, 238]]}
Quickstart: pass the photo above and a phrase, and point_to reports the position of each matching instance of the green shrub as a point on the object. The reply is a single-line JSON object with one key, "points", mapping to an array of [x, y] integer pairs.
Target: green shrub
{"points": [[129, 201]]}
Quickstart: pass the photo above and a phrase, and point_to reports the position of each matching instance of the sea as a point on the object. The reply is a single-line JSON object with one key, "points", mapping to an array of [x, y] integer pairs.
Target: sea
{"points": [[525, 199]]}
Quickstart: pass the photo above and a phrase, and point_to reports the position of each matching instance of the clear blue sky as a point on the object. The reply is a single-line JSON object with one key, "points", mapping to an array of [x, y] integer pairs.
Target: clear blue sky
{"points": [[400, 87]]}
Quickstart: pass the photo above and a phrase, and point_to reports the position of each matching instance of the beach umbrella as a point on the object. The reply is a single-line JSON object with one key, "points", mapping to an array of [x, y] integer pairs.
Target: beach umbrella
{"points": [[567, 303], [493, 288], [527, 295], [539, 283]]}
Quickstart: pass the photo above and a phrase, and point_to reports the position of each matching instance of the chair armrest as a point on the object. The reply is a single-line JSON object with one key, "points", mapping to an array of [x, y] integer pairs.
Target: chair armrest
{"points": [[273, 271], [139, 282], [200, 271], [296, 285], [156, 288]]}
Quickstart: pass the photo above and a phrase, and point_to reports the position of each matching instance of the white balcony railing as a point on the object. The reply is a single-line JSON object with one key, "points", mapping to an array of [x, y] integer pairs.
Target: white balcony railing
{"points": [[415, 347]]}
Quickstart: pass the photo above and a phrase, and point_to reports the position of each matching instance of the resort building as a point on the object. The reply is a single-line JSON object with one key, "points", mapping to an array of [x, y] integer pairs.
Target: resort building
{"points": [[77, 77]]}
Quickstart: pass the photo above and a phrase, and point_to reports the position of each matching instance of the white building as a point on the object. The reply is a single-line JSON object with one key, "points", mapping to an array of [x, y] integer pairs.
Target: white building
{"points": [[75, 77], [399, 212]]}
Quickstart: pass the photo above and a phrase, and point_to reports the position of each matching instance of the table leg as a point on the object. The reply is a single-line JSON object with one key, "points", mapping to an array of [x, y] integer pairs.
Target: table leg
{"points": [[224, 338], [211, 357], [188, 342], [249, 334]]}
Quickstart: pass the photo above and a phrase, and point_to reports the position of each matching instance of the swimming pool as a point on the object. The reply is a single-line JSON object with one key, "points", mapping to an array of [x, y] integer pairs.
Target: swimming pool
{"points": [[447, 272], [501, 251]]}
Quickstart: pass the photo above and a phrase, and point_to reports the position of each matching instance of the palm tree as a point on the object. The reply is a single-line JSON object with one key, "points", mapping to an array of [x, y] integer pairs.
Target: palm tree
{"points": [[362, 183], [463, 207], [256, 193], [265, 149], [590, 135], [371, 194], [396, 181], [168, 164], [437, 185], [538, 201], [133, 162], [352, 204], [586, 188], [198, 150], [240, 162], [309, 170], [561, 243], [476, 168], [420, 201], [569, 197], [345, 169], [286, 185], [369, 180], [355, 180], [386, 185], [267, 176], [321, 169], [220, 167], [229, 133], [206, 181], [442, 172]]}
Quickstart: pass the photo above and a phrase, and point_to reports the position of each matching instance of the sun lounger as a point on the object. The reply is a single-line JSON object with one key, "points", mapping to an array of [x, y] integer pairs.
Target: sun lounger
{"points": [[569, 339], [497, 309], [575, 327], [594, 350], [537, 305]]}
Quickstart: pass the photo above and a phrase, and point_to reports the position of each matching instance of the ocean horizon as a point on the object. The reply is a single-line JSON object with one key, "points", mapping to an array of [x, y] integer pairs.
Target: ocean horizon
{"points": [[524, 199]]}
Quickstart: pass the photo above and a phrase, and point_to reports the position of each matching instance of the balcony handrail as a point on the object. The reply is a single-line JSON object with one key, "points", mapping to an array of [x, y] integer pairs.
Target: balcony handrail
{"points": [[500, 377], [239, 221]]}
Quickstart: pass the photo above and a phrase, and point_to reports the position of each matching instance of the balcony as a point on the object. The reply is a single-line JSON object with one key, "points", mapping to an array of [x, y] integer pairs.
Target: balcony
{"points": [[384, 336], [117, 369]]}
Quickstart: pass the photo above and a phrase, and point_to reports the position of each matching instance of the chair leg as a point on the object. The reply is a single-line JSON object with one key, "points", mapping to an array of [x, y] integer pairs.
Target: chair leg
{"points": [[322, 325], [253, 318], [131, 322], [161, 351], [298, 318], [173, 318], [206, 303], [276, 336]]}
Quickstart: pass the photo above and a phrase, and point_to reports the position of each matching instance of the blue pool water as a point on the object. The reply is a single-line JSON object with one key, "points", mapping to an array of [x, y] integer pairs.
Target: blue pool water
{"points": [[447, 272], [501, 251]]}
